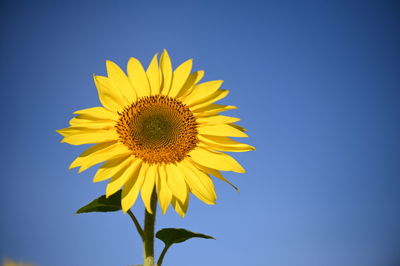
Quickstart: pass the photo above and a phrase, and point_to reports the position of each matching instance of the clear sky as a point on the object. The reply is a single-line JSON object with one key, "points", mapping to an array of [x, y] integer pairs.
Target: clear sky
{"points": [[317, 85]]}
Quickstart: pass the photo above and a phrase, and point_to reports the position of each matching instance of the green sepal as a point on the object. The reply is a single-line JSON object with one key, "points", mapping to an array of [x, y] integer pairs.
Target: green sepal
{"points": [[103, 204], [178, 235]]}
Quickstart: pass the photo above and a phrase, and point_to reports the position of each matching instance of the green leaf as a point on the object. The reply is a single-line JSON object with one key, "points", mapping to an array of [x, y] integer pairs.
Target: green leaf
{"points": [[102, 204], [178, 235]]}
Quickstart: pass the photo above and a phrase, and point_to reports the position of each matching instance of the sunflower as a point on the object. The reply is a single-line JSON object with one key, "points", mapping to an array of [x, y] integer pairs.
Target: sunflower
{"points": [[159, 129]]}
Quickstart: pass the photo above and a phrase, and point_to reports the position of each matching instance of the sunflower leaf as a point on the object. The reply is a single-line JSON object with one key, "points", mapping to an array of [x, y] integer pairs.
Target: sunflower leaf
{"points": [[103, 204], [172, 236], [178, 235]]}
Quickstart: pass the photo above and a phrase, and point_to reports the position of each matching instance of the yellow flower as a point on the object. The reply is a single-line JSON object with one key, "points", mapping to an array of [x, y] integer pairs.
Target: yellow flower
{"points": [[157, 128], [9, 262]]}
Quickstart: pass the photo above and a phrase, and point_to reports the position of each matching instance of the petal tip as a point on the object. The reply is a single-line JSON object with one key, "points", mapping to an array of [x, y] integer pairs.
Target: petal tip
{"points": [[81, 169], [73, 165], [125, 205], [124, 208]]}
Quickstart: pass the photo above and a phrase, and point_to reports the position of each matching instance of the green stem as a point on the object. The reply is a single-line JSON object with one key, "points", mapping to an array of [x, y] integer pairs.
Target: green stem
{"points": [[161, 258], [137, 225], [148, 236]]}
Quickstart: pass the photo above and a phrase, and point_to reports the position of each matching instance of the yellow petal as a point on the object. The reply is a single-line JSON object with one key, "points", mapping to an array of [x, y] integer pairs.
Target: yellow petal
{"points": [[111, 167], [220, 130], [238, 127], [99, 153], [120, 81], [166, 69], [163, 191], [115, 152], [132, 187], [179, 207], [180, 76], [215, 160], [200, 183], [176, 182], [215, 173], [216, 96], [153, 75], [100, 113], [223, 144], [148, 187], [109, 97], [193, 79], [83, 136], [202, 91], [198, 76], [217, 119], [95, 149], [121, 177], [91, 124], [73, 130], [212, 109], [70, 131], [138, 77]]}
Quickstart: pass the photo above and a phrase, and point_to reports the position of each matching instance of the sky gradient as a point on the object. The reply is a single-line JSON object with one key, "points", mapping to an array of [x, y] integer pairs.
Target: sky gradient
{"points": [[317, 86]]}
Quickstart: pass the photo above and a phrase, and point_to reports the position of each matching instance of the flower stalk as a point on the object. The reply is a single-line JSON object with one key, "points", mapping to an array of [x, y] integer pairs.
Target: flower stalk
{"points": [[148, 234], [161, 258], [137, 225]]}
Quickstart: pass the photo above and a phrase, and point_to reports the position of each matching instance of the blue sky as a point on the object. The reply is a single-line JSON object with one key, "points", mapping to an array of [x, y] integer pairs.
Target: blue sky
{"points": [[317, 85]]}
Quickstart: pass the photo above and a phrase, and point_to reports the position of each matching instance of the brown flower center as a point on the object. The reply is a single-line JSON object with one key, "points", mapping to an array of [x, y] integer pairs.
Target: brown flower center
{"points": [[158, 129]]}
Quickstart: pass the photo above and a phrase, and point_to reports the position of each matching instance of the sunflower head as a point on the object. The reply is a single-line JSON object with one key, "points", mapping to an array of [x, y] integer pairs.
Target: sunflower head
{"points": [[157, 129]]}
